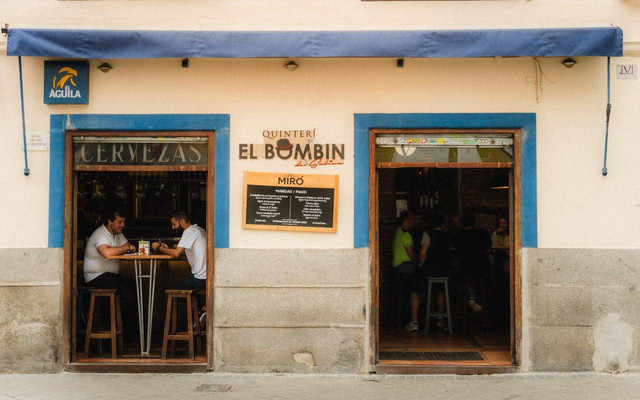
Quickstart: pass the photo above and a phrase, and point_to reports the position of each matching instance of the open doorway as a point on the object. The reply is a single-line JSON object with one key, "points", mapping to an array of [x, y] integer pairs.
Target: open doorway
{"points": [[454, 191], [146, 180]]}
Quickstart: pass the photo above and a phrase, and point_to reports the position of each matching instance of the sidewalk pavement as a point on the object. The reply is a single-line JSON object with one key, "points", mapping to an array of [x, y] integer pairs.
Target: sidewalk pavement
{"points": [[537, 386]]}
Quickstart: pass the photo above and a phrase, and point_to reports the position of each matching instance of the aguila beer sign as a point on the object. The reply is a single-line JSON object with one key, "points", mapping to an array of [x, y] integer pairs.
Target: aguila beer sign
{"points": [[66, 82], [299, 146]]}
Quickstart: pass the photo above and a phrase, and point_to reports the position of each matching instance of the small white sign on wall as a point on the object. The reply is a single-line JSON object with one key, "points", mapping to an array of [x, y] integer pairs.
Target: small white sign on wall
{"points": [[37, 140], [627, 71]]}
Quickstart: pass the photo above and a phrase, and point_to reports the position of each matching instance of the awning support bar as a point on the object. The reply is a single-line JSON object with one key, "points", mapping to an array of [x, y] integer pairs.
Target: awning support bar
{"points": [[24, 130], [606, 135]]}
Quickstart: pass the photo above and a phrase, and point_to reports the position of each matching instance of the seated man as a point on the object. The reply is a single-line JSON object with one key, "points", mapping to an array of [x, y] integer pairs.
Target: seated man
{"points": [[500, 237], [193, 243], [500, 244], [101, 273], [405, 264]]}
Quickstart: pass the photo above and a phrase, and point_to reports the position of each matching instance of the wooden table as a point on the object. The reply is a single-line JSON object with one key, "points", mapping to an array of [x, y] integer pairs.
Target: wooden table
{"points": [[145, 342]]}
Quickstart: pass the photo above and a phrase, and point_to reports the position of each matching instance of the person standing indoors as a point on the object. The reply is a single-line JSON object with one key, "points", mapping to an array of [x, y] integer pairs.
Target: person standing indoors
{"points": [[193, 243], [473, 246], [436, 258], [405, 265]]}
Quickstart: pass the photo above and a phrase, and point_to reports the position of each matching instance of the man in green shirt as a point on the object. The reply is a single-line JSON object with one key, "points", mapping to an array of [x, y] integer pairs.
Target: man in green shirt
{"points": [[405, 265]]}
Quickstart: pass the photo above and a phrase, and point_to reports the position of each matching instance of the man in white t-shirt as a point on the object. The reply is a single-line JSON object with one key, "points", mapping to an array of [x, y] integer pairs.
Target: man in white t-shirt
{"points": [[101, 273], [193, 243]]}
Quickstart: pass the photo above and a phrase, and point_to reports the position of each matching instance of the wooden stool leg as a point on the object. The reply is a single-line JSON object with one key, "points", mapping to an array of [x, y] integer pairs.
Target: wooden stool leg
{"points": [[174, 323], [114, 335], [167, 321], [87, 340], [194, 308], [190, 327], [426, 323], [119, 327], [98, 318]]}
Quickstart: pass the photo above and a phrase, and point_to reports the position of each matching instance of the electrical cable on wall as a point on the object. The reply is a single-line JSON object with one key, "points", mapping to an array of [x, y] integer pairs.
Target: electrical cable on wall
{"points": [[24, 131], [606, 135], [539, 75], [538, 79]]}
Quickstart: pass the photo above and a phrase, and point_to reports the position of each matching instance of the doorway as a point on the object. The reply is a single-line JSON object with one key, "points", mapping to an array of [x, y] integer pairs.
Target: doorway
{"points": [[442, 179], [146, 177]]}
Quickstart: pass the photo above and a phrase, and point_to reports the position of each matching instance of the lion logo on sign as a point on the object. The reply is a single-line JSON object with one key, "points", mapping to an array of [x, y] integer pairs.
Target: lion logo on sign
{"points": [[64, 74]]}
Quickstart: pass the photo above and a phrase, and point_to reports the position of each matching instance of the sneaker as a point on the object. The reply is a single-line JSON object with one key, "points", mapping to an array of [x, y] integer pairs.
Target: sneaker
{"points": [[411, 326], [475, 306]]}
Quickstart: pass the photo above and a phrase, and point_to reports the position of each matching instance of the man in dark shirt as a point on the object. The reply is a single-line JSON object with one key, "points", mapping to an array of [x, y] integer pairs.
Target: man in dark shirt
{"points": [[436, 257], [473, 246], [473, 249], [435, 253]]}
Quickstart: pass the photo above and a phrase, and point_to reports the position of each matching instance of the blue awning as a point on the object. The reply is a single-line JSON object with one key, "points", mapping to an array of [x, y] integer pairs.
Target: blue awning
{"points": [[115, 44]]}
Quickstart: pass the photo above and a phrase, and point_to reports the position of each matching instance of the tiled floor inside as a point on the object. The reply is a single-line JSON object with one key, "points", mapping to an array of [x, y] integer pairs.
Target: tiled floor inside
{"points": [[138, 360], [493, 346], [132, 355]]}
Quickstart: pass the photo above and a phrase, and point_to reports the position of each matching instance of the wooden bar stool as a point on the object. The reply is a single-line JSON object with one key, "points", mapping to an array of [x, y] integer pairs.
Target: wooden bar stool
{"points": [[171, 320], [115, 332], [447, 315]]}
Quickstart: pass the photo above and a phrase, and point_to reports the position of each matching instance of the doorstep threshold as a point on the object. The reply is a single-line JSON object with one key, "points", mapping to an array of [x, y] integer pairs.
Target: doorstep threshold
{"points": [[443, 369], [137, 367]]}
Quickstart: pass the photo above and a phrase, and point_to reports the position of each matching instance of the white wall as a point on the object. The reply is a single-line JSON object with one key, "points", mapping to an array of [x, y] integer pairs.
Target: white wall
{"points": [[577, 207]]}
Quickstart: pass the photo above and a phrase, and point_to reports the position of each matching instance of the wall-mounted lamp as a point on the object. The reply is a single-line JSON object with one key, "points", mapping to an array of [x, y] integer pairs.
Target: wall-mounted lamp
{"points": [[105, 67], [569, 62], [400, 63], [291, 66]]}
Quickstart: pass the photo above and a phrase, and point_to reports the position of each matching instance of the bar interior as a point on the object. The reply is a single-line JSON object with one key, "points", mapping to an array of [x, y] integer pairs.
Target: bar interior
{"points": [[146, 199]]}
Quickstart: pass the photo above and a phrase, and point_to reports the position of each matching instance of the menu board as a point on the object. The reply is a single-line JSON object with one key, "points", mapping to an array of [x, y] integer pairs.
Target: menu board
{"points": [[290, 202]]}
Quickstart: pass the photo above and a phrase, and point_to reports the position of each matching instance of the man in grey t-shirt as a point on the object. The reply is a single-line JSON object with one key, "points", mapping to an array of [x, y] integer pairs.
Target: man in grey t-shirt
{"points": [[101, 273]]}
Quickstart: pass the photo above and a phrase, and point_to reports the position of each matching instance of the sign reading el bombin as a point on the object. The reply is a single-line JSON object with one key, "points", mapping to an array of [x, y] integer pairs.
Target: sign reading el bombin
{"points": [[66, 82]]}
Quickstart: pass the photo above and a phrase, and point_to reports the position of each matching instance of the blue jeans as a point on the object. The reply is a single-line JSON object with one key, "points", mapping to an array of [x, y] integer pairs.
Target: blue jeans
{"points": [[191, 282]]}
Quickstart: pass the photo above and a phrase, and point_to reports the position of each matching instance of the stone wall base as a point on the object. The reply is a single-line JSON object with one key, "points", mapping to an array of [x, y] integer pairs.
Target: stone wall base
{"points": [[582, 309]]}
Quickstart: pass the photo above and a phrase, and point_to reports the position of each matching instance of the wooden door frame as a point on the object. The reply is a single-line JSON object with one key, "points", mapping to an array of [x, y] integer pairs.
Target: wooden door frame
{"points": [[69, 267], [515, 224]]}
